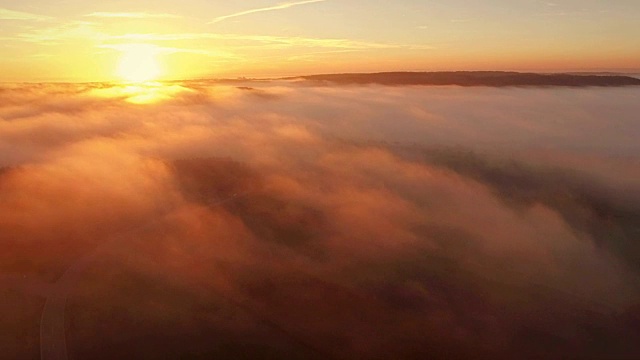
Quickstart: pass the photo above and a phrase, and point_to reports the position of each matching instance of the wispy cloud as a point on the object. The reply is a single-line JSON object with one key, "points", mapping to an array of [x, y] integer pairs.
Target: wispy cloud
{"points": [[172, 50], [132, 15], [6, 14], [274, 41], [281, 6], [73, 30]]}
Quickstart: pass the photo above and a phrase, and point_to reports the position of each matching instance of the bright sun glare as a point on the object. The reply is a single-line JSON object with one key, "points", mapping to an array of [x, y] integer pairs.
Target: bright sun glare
{"points": [[139, 63]]}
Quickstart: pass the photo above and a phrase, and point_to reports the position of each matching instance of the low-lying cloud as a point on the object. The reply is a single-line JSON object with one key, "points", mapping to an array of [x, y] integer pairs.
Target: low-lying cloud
{"points": [[292, 221]]}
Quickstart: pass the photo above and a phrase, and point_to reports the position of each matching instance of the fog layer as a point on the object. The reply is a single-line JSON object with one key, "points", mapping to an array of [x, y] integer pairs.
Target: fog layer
{"points": [[281, 220]]}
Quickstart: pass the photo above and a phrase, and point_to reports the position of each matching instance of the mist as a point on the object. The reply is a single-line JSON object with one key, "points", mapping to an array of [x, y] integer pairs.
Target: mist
{"points": [[286, 220]]}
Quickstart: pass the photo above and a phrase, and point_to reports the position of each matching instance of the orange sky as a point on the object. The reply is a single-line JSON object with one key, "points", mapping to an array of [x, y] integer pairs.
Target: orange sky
{"points": [[75, 40]]}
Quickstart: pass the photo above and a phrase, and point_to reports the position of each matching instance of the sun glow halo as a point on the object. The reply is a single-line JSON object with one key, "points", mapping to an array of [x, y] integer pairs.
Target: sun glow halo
{"points": [[139, 63]]}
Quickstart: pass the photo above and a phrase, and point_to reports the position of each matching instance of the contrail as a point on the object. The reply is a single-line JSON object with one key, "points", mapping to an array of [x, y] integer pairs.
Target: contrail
{"points": [[271, 8]]}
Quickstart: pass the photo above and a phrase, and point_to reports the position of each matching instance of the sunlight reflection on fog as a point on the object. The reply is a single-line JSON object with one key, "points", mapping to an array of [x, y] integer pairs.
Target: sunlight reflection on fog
{"points": [[142, 93]]}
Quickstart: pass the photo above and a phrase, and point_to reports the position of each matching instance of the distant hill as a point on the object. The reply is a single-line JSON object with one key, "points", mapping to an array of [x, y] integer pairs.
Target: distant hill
{"points": [[476, 78]]}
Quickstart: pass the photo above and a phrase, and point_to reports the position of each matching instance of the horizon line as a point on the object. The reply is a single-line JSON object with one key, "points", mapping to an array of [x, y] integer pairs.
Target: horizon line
{"points": [[620, 72]]}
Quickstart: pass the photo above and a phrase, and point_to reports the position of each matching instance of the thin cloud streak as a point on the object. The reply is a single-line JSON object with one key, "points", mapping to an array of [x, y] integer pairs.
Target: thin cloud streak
{"points": [[278, 40], [271, 8], [132, 15], [73, 30], [88, 30], [175, 50], [6, 14]]}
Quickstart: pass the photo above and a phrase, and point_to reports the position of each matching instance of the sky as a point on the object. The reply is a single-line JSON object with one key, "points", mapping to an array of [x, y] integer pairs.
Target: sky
{"points": [[77, 40]]}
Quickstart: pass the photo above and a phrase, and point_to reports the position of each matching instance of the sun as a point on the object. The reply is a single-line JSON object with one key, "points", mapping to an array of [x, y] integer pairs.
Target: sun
{"points": [[139, 63]]}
